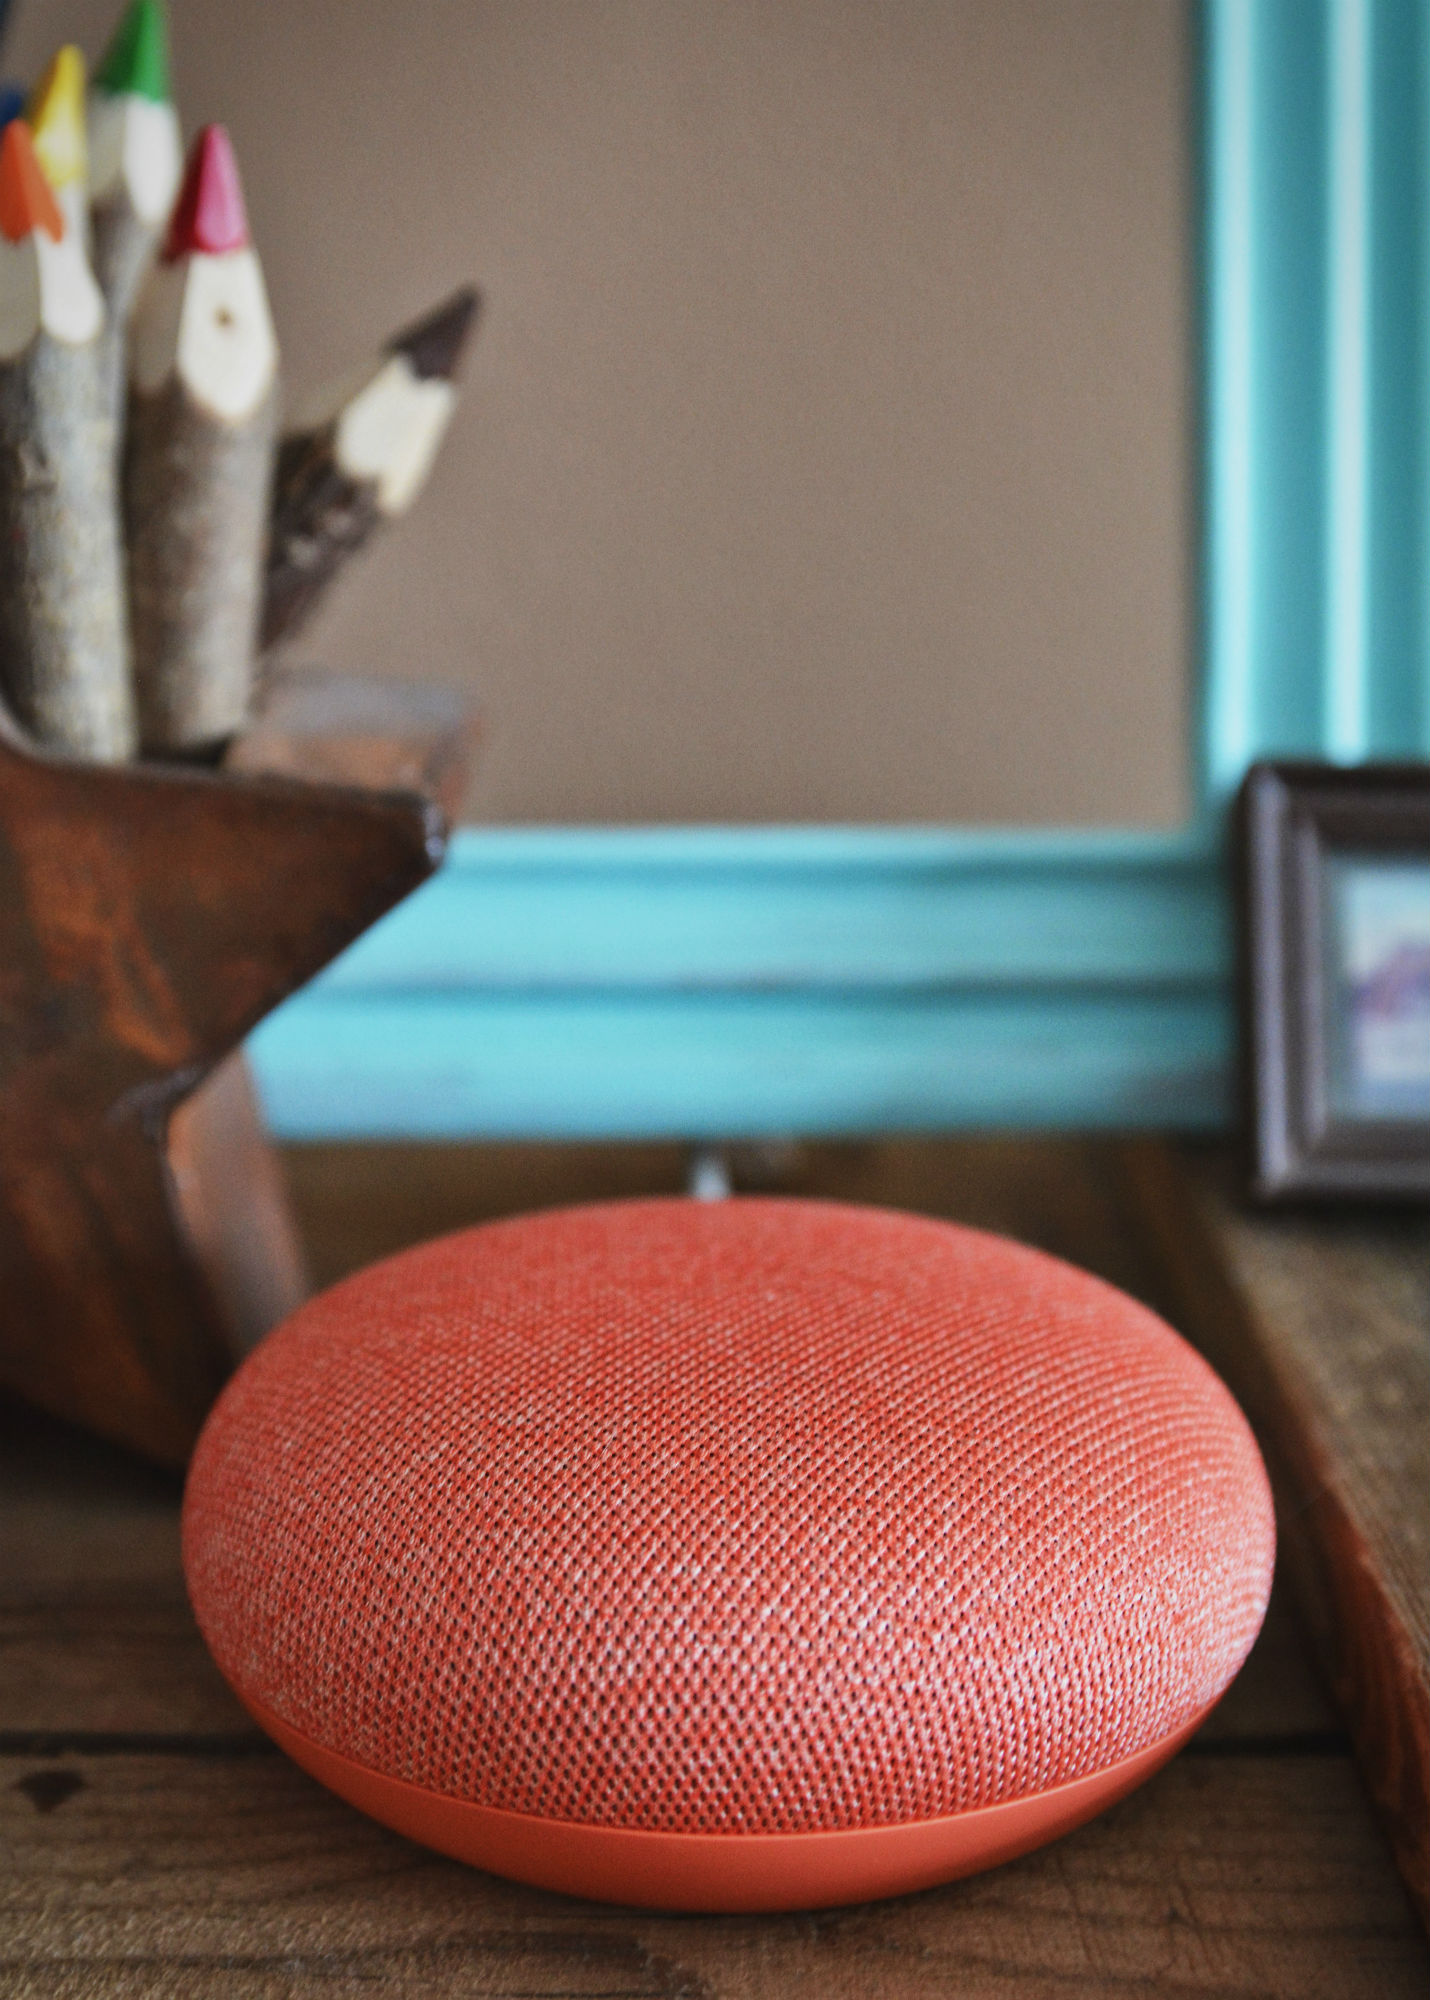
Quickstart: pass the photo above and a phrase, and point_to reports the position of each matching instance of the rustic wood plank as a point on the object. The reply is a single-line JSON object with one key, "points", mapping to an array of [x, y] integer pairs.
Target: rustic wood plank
{"points": [[158, 1846], [238, 1876], [1064, 1194], [127, 978], [69, 1674], [381, 735], [82, 1520], [1319, 1322], [1277, 1696], [357, 1203], [229, 1188]]}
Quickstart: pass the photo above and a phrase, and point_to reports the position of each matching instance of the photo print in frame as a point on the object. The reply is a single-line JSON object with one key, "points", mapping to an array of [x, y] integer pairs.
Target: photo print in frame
{"points": [[1334, 880]]}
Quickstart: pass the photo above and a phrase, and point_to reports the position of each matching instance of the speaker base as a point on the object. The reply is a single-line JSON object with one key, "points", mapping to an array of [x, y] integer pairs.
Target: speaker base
{"points": [[740, 1872]]}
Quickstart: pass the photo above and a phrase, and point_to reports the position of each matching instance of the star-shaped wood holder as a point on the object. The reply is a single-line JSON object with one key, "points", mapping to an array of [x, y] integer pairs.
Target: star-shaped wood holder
{"points": [[150, 916]]}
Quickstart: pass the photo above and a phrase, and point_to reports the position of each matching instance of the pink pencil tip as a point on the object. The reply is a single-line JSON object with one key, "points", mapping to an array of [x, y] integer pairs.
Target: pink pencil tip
{"points": [[209, 216]]}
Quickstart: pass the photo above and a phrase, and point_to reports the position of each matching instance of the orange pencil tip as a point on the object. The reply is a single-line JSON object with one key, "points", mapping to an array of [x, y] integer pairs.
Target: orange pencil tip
{"points": [[26, 200]]}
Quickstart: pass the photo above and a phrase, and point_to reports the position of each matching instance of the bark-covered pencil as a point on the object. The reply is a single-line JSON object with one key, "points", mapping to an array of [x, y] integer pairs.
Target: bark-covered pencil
{"points": [[198, 457], [55, 116], [357, 456], [135, 164], [63, 646]]}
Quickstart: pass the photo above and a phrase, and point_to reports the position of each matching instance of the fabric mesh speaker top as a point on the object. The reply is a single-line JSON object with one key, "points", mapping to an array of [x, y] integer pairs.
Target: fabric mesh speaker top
{"points": [[752, 1518]]}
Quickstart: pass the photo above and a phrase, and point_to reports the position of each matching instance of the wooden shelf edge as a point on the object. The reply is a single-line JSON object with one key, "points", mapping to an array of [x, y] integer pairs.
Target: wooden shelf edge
{"points": [[1367, 1622]]}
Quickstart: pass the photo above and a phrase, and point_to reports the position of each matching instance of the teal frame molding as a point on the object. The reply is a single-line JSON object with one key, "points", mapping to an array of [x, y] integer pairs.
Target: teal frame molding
{"points": [[1316, 382], [734, 982], [744, 982]]}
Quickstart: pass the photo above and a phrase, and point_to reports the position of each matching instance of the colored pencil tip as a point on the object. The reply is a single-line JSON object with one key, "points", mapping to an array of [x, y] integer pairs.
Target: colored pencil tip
{"points": [[27, 201], [433, 345], [136, 63], [209, 216], [56, 117], [12, 103]]}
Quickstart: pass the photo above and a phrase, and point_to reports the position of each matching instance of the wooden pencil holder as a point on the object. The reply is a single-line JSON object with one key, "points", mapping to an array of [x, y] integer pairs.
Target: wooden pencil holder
{"points": [[150, 916]]}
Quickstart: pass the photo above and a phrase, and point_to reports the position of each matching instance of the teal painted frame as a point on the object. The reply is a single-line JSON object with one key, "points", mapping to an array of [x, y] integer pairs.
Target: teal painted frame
{"points": [[745, 981]]}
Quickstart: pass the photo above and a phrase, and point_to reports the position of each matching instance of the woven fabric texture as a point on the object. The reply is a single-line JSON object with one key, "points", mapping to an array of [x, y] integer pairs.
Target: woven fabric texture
{"points": [[748, 1516]]}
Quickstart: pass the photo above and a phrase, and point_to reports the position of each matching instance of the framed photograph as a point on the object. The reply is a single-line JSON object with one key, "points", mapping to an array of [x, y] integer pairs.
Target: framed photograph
{"points": [[1334, 867]]}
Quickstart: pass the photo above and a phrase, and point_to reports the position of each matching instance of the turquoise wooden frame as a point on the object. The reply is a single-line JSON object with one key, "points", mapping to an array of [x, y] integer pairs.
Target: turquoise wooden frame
{"points": [[743, 981]]}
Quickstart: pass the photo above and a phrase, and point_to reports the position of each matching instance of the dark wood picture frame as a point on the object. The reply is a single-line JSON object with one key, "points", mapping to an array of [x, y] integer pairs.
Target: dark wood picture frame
{"points": [[1294, 820]]}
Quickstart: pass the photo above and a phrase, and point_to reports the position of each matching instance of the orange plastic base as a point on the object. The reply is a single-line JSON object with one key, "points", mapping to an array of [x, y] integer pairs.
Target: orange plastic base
{"points": [[720, 1871]]}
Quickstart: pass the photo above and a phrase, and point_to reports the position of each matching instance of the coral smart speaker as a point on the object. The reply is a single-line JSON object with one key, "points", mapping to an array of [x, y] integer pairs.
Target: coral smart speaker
{"points": [[736, 1555]]}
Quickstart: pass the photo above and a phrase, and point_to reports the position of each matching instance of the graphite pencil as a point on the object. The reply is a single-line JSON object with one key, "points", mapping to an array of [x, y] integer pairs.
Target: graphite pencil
{"points": [[135, 165], [62, 628], [356, 457], [198, 455]]}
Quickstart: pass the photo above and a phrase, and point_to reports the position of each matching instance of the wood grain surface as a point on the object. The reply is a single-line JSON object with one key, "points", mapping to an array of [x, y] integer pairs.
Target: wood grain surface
{"points": [[1320, 1321], [232, 1200], [233, 1874], [64, 646], [155, 1845], [195, 516], [149, 917], [380, 735]]}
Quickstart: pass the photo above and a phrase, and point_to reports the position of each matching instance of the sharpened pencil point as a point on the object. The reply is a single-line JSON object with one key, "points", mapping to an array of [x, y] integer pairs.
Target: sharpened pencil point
{"points": [[209, 216], [433, 345], [26, 199], [56, 118], [136, 63]]}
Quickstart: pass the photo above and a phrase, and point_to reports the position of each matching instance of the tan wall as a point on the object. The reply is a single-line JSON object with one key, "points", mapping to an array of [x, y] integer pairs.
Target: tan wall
{"points": [[825, 453]]}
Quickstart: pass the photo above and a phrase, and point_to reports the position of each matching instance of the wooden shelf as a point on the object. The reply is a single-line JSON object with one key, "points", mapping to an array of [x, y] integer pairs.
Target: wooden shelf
{"points": [[1320, 1321], [157, 1845]]}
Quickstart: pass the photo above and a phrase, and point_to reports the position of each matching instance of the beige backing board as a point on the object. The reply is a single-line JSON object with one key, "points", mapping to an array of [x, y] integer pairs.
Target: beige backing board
{"points": [[826, 452]]}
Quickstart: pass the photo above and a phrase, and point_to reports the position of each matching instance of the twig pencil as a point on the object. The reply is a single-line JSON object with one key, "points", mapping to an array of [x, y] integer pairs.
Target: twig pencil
{"points": [[203, 373], [359, 456], [55, 115], [62, 631], [135, 164]]}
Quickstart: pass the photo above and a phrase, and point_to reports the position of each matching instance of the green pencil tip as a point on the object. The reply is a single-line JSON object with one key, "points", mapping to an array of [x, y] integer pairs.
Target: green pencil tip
{"points": [[136, 63]]}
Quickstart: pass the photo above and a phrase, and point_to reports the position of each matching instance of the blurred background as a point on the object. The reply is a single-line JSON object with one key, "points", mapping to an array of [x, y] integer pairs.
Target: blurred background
{"points": [[825, 451]]}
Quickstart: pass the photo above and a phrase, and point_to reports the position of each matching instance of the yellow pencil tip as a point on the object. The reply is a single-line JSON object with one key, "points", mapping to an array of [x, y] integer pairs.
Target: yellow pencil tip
{"points": [[55, 115]]}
